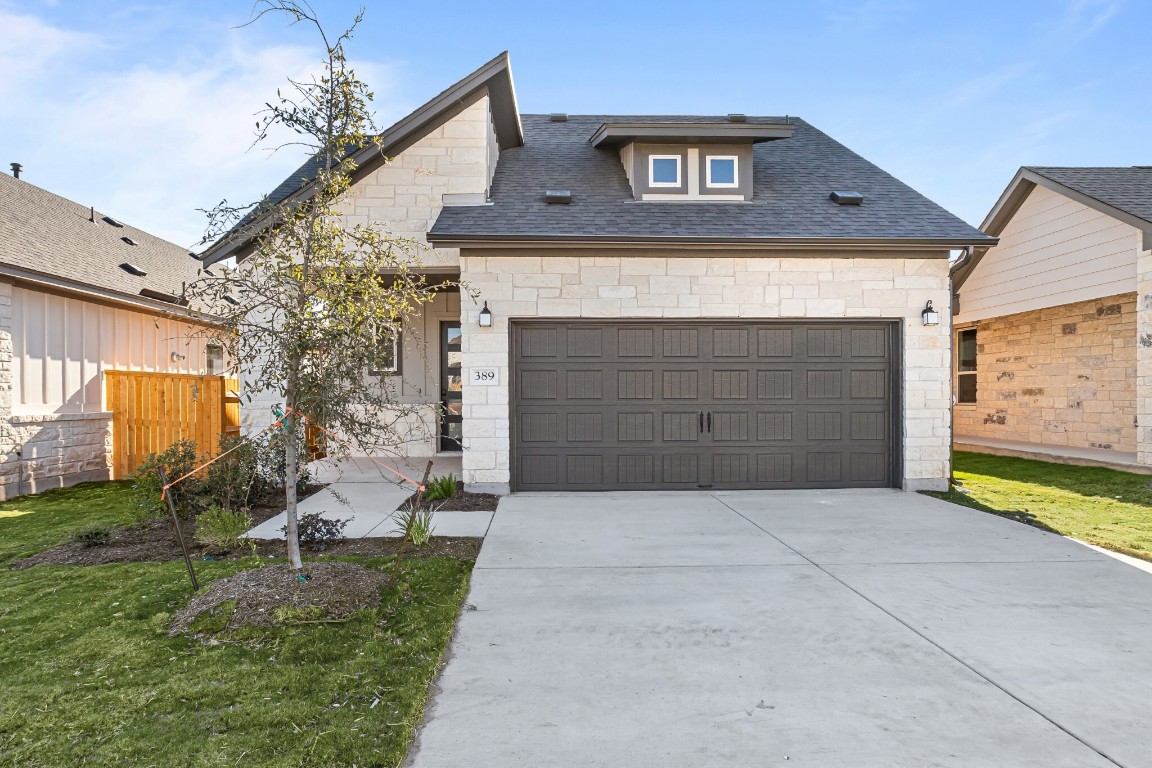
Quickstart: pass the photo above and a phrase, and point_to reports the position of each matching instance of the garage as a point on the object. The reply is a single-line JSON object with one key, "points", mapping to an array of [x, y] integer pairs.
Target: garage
{"points": [[634, 405]]}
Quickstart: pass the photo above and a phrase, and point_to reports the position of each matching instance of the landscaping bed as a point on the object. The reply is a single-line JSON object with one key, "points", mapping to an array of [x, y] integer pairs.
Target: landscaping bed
{"points": [[461, 501], [1105, 507]]}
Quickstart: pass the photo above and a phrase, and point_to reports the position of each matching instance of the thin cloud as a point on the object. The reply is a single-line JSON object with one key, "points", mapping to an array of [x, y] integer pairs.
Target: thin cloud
{"points": [[153, 143]]}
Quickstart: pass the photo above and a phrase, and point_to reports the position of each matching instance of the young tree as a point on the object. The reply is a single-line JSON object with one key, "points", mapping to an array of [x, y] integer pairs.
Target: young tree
{"points": [[304, 314]]}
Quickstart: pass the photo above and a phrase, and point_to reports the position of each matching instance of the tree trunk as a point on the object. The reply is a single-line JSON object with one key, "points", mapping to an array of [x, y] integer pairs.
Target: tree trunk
{"points": [[290, 474]]}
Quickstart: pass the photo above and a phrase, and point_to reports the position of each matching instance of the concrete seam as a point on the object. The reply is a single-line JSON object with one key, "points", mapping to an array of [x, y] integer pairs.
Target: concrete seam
{"points": [[931, 642]]}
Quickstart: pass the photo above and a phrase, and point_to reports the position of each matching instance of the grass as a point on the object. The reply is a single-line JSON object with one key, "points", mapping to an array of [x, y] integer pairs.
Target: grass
{"points": [[91, 677], [1102, 506], [31, 524]]}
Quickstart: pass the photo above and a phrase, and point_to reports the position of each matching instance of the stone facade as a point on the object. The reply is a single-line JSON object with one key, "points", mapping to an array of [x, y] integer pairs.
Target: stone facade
{"points": [[1144, 358], [405, 195], [1064, 376], [708, 284], [54, 451]]}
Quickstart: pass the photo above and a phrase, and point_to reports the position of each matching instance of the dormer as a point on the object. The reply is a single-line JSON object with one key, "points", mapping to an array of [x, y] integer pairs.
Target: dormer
{"points": [[700, 160]]}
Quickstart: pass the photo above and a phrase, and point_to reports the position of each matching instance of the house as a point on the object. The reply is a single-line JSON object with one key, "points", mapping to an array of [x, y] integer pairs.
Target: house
{"points": [[81, 294], [1053, 350], [665, 302]]}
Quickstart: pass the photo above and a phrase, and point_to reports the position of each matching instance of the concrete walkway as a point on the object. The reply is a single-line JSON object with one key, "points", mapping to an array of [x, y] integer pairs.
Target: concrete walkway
{"points": [[367, 496], [832, 629]]}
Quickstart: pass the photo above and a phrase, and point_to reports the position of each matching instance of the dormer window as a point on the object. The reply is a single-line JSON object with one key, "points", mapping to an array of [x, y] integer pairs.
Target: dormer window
{"points": [[707, 160], [664, 170], [723, 171]]}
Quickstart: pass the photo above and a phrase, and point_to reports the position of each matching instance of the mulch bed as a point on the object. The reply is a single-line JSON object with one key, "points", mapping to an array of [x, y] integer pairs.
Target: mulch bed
{"points": [[156, 542], [259, 597], [463, 501]]}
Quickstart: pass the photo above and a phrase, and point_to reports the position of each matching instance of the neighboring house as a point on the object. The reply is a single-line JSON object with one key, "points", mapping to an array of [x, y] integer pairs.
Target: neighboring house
{"points": [[80, 294], [676, 301], [1054, 324]]}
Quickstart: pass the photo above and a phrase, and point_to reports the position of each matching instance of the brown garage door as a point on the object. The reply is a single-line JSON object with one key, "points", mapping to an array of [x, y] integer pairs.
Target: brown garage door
{"points": [[707, 404]]}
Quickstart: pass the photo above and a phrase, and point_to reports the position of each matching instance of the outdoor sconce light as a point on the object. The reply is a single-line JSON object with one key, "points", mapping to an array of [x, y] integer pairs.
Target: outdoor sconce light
{"points": [[931, 316], [485, 317], [176, 356]]}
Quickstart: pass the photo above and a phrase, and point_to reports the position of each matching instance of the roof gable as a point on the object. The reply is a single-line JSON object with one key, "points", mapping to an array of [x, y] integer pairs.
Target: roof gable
{"points": [[1124, 193], [493, 79]]}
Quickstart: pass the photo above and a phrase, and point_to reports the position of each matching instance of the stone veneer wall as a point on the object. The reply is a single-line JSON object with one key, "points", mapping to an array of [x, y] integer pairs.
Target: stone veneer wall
{"points": [[707, 284], [1064, 375], [404, 197]]}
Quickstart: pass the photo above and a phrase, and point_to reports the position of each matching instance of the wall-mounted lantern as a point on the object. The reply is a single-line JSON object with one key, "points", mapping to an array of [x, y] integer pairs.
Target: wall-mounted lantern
{"points": [[931, 316], [485, 317]]}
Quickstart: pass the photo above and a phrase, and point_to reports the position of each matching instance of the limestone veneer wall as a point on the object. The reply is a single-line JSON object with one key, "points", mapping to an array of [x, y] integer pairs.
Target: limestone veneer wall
{"points": [[707, 284], [1144, 358], [1062, 376]]}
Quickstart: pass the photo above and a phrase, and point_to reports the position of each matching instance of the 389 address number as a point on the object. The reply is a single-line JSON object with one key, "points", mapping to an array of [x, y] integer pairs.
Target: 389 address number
{"points": [[484, 377]]}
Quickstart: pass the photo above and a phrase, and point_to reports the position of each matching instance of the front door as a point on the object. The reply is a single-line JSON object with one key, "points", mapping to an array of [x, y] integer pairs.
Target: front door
{"points": [[451, 388]]}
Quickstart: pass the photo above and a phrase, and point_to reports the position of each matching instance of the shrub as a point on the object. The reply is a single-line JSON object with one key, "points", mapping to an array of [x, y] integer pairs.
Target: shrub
{"points": [[222, 527], [440, 487], [235, 480], [180, 459], [92, 536], [317, 531]]}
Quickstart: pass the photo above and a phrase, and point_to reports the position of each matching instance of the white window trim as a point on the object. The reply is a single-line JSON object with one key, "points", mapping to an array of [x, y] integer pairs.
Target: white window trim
{"points": [[735, 171], [665, 184], [397, 350]]}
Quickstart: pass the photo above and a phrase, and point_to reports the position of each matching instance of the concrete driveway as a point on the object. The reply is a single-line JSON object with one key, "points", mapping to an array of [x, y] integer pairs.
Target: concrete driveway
{"points": [[842, 628]]}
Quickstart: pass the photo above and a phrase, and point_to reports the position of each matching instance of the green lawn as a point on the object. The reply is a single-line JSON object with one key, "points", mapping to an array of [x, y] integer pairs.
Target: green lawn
{"points": [[1102, 506], [31, 524], [90, 676]]}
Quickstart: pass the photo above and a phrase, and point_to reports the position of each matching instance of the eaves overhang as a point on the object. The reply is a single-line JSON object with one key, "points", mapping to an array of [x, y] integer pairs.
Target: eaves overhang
{"points": [[616, 134], [105, 295], [618, 241]]}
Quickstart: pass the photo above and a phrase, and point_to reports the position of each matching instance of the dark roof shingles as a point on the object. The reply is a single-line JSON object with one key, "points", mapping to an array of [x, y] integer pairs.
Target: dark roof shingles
{"points": [[51, 235], [792, 181], [1128, 189]]}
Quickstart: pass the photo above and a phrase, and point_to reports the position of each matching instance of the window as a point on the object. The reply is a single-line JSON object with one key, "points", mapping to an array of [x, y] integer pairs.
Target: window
{"points": [[214, 359], [966, 366], [664, 170], [387, 354], [721, 171]]}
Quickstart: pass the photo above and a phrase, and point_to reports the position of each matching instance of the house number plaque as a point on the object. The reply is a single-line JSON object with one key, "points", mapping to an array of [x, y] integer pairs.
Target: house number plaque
{"points": [[484, 377]]}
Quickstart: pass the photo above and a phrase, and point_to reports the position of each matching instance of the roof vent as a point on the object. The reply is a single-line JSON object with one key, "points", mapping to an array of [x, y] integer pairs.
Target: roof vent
{"points": [[132, 269], [231, 300], [128, 240], [558, 117], [194, 255], [847, 198], [16, 168], [736, 117], [148, 293], [113, 222], [558, 196]]}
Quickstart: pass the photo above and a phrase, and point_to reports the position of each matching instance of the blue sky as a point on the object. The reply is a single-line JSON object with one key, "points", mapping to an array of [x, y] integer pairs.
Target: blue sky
{"points": [[145, 109]]}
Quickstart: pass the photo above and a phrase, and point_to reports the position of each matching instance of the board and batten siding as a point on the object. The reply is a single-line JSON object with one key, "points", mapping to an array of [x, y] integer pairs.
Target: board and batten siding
{"points": [[1054, 251], [61, 346]]}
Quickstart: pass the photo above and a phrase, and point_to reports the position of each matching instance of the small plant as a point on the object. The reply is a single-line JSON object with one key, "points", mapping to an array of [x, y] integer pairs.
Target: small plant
{"points": [[440, 487], [318, 531], [92, 536], [416, 523], [298, 614], [221, 527]]}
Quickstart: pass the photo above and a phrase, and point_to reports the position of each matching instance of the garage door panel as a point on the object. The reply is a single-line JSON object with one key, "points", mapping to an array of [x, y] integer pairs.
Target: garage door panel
{"points": [[603, 405]]}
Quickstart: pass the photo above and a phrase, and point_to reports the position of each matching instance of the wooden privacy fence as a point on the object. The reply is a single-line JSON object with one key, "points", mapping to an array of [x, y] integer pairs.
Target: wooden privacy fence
{"points": [[151, 411]]}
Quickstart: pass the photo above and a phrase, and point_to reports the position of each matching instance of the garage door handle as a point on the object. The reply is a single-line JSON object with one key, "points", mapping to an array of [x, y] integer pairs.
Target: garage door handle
{"points": [[701, 422], [709, 421]]}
